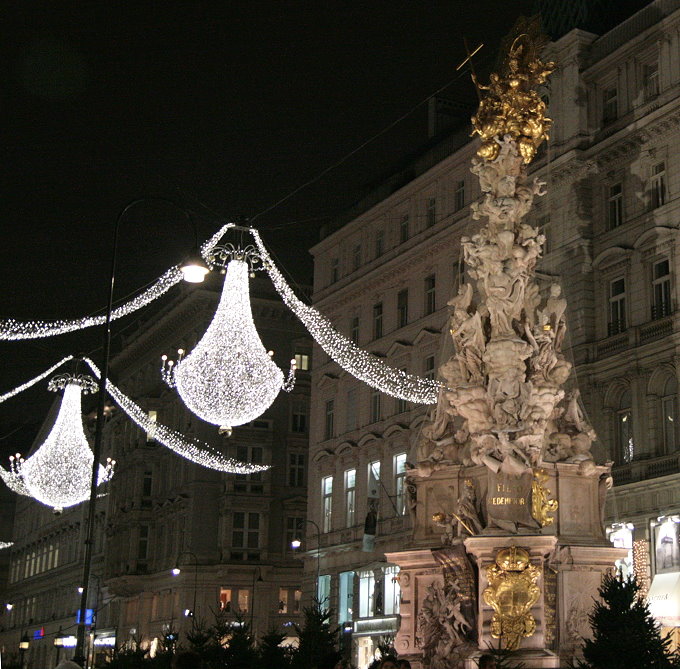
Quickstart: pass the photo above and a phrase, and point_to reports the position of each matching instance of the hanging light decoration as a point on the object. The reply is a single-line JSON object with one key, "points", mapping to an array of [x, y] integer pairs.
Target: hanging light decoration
{"points": [[359, 363], [58, 473], [191, 449], [229, 378], [13, 330], [6, 544]]}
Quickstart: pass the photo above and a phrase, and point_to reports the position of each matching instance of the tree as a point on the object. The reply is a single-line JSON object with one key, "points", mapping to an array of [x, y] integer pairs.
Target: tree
{"points": [[240, 652], [318, 641], [625, 634], [271, 653]]}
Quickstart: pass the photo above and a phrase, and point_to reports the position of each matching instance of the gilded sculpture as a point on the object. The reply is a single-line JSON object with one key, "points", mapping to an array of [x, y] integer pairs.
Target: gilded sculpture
{"points": [[511, 105], [511, 593], [541, 506]]}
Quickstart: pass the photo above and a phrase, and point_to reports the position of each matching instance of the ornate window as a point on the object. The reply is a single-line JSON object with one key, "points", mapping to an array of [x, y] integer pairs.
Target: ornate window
{"points": [[350, 496], [617, 306], [400, 483], [657, 185], [404, 232], [402, 308], [615, 206], [430, 294], [327, 502], [459, 196], [650, 79], [661, 285], [610, 104], [669, 404], [625, 440], [377, 320]]}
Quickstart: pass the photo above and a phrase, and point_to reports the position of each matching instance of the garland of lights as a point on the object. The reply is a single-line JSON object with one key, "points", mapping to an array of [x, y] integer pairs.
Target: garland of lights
{"points": [[13, 330], [58, 473], [6, 544], [229, 378], [359, 363], [194, 450]]}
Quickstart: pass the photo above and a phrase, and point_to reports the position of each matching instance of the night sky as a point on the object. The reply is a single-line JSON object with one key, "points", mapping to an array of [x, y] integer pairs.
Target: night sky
{"points": [[224, 108]]}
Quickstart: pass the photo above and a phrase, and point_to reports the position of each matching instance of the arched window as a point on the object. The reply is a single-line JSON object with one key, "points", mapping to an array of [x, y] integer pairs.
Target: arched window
{"points": [[624, 429], [669, 403]]}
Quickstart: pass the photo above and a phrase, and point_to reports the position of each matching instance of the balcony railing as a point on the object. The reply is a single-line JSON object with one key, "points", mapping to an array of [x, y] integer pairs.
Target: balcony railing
{"points": [[616, 327], [641, 470], [661, 310]]}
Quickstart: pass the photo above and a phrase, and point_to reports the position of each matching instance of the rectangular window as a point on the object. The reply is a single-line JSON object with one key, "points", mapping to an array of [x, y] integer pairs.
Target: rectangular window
{"points": [[428, 367], [404, 232], [329, 427], [297, 602], [350, 496], [143, 545], [624, 418], [327, 502], [402, 404], [431, 212], [615, 206], [430, 295], [366, 599], [650, 79], [661, 283], [225, 599], [244, 600], [335, 270], [345, 596], [153, 419], [294, 527], [283, 600], [670, 420], [375, 406], [246, 530], [299, 417], [147, 480], [373, 488], [323, 592], [392, 590], [351, 415], [356, 257], [459, 196], [296, 469], [400, 483], [377, 320], [249, 482], [657, 186], [617, 306], [402, 308], [379, 243], [302, 362], [610, 105], [354, 329]]}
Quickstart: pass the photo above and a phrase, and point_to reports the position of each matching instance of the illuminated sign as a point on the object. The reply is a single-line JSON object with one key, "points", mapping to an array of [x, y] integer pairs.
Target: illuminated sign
{"points": [[69, 641]]}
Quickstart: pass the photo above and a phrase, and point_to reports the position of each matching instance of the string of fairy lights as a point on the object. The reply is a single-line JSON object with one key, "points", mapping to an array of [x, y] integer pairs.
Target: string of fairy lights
{"points": [[228, 379]]}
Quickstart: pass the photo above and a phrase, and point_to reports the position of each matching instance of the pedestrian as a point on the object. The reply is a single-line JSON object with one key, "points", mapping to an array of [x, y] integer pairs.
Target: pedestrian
{"points": [[487, 662]]}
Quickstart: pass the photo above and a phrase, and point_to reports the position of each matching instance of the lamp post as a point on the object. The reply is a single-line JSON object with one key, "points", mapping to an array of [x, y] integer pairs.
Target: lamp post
{"points": [[176, 571], [23, 647], [58, 644], [296, 543], [193, 273]]}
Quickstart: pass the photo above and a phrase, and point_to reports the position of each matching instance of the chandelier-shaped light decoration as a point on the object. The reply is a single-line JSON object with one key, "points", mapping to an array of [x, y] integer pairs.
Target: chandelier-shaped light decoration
{"points": [[359, 363], [13, 330], [191, 449], [58, 473], [229, 378]]}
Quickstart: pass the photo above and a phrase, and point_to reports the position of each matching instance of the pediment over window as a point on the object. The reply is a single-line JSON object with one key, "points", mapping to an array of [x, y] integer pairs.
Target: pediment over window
{"points": [[657, 236], [612, 256], [425, 335]]}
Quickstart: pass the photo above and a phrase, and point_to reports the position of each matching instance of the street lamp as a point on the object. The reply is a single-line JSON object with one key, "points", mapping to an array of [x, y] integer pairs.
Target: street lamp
{"points": [[9, 606], [296, 543], [58, 643], [176, 571], [79, 656], [23, 647]]}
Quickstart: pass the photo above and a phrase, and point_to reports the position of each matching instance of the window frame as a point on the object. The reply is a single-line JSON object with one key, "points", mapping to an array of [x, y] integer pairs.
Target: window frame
{"points": [[614, 205], [617, 307], [327, 503], [350, 479], [430, 294]]}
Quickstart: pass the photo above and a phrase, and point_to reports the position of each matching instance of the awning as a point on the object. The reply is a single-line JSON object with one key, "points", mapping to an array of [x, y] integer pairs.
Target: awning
{"points": [[664, 599]]}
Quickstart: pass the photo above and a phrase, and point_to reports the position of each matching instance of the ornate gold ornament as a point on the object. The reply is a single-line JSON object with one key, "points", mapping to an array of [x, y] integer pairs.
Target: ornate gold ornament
{"points": [[511, 592], [510, 105], [541, 506]]}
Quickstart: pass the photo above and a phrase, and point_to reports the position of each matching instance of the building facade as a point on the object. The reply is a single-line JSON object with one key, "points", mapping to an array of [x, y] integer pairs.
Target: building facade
{"points": [[176, 541], [384, 274]]}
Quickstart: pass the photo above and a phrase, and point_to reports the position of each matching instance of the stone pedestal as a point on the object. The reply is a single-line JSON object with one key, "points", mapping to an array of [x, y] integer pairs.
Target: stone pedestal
{"points": [[571, 554]]}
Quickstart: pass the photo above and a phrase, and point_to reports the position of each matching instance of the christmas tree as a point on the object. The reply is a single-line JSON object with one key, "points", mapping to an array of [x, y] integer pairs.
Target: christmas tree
{"points": [[318, 641], [625, 634]]}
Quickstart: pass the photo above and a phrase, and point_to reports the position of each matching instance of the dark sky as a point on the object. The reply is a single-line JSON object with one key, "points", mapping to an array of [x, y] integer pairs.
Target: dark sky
{"points": [[223, 108]]}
